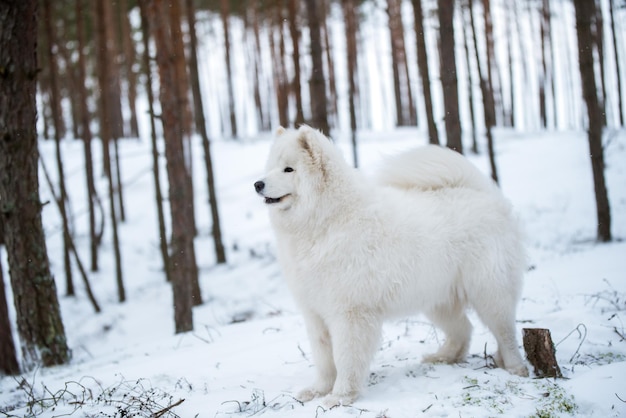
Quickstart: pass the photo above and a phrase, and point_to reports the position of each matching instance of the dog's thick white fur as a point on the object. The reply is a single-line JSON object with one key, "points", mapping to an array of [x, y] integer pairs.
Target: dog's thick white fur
{"points": [[433, 235]]}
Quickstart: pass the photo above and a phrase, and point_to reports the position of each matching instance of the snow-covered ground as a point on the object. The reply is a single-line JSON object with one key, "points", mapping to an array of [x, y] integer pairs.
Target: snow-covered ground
{"points": [[249, 352]]}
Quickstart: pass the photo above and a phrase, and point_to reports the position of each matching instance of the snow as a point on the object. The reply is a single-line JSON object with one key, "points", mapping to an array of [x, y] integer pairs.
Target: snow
{"points": [[249, 352]]}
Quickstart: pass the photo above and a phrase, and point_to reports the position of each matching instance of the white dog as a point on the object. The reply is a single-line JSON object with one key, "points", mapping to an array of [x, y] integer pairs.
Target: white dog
{"points": [[433, 235]]}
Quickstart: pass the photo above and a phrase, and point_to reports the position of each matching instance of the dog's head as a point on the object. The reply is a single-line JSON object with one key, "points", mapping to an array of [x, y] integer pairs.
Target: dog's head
{"points": [[297, 168]]}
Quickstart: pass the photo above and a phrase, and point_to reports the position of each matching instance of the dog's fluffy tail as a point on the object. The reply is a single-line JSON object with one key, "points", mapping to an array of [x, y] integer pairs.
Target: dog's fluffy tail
{"points": [[430, 168]]}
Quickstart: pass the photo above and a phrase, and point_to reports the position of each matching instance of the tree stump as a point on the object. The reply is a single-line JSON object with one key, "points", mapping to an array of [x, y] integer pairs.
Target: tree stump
{"points": [[540, 352]]}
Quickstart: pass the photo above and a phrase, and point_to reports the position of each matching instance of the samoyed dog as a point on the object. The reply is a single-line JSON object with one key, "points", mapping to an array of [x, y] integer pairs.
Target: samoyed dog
{"points": [[432, 235]]}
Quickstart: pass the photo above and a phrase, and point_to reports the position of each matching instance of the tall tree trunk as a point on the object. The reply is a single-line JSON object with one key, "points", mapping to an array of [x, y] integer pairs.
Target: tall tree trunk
{"points": [[220, 253], [182, 249], [447, 65], [39, 321], [405, 108], [599, 37], [225, 13], [351, 29], [488, 108], [8, 356], [156, 172], [79, 264], [618, 74], [510, 120], [279, 70], [128, 46], [264, 124], [470, 80], [422, 63], [544, 74], [102, 56], [330, 64], [319, 117], [87, 138], [585, 13], [492, 67], [56, 117], [294, 31]]}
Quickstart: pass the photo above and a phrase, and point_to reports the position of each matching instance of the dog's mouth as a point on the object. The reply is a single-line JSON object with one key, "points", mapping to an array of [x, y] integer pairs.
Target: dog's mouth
{"points": [[271, 200]]}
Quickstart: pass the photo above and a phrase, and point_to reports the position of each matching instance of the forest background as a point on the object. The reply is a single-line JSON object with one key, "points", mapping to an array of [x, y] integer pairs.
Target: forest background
{"points": [[231, 70]]}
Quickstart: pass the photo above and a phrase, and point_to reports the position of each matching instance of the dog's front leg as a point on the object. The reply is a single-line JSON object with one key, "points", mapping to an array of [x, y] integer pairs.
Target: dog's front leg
{"points": [[355, 337], [321, 347]]}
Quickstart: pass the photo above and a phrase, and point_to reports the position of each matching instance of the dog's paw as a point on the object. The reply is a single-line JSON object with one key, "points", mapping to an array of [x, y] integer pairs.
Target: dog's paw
{"points": [[308, 394], [333, 400], [520, 370], [439, 358]]}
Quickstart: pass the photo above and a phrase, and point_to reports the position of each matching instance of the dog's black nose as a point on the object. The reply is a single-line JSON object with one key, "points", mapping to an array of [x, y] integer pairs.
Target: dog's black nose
{"points": [[258, 186]]}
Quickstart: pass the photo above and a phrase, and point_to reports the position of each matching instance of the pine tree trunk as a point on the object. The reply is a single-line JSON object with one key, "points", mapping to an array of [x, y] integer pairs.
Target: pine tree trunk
{"points": [[128, 46], [294, 31], [599, 37], [102, 56], [264, 124], [422, 63], [319, 117], [87, 138], [39, 321], [509, 49], [225, 13], [447, 65], [494, 84], [278, 68], [618, 74], [220, 253], [351, 29], [470, 81], [182, 249], [156, 172], [394, 16], [56, 118], [584, 14], [330, 64], [8, 355]]}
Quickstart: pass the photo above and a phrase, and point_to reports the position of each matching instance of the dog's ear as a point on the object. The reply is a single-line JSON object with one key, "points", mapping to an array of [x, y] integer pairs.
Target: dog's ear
{"points": [[280, 131]]}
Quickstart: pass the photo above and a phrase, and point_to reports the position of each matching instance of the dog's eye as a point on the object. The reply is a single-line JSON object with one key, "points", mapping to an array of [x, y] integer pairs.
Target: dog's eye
{"points": [[288, 170]]}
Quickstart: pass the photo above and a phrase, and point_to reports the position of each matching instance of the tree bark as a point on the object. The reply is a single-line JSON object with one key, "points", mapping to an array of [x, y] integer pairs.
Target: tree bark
{"points": [[182, 249], [447, 65], [57, 116], [8, 356], [104, 73], [405, 108], [278, 68], [225, 13], [128, 46], [351, 29], [584, 14], [39, 321], [470, 80], [319, 117], [422, 63], [156, 172], [540, 352], [294, 31], [220, 253], [488, 108], [87, 138], [618, 73]]}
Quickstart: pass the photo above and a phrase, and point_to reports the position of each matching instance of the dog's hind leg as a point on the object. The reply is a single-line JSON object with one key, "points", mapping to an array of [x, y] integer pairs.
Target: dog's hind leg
{"points": [[321, 348], [458, 331], [355, 337], [500, 319]]}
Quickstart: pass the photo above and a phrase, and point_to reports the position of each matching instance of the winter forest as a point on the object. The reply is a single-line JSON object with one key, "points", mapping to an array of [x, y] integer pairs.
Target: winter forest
{"points": [[137, 268]]}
